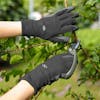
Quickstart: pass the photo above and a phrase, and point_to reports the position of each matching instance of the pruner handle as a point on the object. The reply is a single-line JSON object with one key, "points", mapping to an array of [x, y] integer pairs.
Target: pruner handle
{"points": [[72, 50], [75, 46]]}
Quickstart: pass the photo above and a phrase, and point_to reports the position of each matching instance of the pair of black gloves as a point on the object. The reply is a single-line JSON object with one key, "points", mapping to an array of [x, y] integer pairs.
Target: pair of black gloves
{"points": [[50, 28]]}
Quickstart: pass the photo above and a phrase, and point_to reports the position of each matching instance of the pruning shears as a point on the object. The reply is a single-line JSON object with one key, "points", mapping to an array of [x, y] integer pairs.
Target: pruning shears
{"points": [[72, 49]]}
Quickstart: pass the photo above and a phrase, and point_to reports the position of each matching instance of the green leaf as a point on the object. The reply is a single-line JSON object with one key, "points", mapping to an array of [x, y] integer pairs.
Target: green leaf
{"points": [[4, 57], [15, 59], [91, 2]]}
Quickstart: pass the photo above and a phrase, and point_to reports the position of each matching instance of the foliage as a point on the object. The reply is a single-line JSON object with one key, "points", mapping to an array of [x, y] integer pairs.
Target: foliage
{"points": [[89, 56], [12, 10], [90, 65], [33, 51], [88, 95], [88, 9]]}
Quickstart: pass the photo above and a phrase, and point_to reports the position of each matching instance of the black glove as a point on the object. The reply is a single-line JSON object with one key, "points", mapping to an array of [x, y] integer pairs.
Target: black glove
{"points": [[53, 25], [57, 67]]}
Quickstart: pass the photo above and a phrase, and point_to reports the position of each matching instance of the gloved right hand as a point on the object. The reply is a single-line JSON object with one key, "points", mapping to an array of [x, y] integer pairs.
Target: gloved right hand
{"points": [[51, 26], [60, 66]]}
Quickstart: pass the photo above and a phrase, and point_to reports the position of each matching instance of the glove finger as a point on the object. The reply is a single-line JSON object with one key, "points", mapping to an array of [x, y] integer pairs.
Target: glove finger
{"points": [[69, 28], [59, 39], [72, 62], [71, 15], [69, 9], [69, 21], [61, 12], [65, 10]]}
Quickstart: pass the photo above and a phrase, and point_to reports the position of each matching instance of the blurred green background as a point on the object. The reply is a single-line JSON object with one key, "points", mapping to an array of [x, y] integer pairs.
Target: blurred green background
{"points": [[85, 82]]}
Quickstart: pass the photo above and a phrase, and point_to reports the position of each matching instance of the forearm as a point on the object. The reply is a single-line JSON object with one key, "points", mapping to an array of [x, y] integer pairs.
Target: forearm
{"points": [[22, 91], [10, 28]]}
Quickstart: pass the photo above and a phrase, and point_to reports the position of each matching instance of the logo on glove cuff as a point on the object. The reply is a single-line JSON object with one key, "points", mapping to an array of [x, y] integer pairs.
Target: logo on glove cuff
{"points": [[44, 28], [44, 66]]}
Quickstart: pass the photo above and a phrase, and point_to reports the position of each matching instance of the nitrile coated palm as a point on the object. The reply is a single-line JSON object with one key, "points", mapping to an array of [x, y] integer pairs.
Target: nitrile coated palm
{"points": [[51, 26]]}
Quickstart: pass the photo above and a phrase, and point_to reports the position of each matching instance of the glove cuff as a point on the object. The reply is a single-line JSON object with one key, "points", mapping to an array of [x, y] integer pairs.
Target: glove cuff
{"points": [[37, 78], [27, 77], [28, 28]]}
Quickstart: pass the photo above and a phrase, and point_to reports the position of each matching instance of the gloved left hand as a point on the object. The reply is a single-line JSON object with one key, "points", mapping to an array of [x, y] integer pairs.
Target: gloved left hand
{"points": [[51, 26], [50, 71]]}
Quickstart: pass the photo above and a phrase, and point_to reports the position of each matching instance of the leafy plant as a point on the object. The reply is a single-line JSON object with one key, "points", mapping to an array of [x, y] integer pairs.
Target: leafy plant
{"points": [[29, 52]]}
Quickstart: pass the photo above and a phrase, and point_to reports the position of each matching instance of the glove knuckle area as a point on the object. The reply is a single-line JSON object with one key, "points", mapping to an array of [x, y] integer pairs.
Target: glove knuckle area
{"points": [[61, 12], [69, 28], [52, 27], [68, 15], [71, 8], [69, 21], [66, 58]]}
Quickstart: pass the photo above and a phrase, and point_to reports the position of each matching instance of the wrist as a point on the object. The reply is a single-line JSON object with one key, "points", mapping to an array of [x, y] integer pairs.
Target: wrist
{"points": [[28, 27], [37, 78], [22, 91], [25, 27], [10, 29]]}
